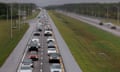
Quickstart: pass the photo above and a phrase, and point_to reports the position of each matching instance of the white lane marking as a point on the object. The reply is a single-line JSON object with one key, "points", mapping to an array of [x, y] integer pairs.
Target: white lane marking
{"points": [[42, 49], [41, 58], [41, 70], [41, 53], [41, 63]]}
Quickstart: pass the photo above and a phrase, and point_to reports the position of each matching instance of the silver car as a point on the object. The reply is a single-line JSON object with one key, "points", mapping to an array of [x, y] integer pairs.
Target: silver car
{"points": [[55, 67]]}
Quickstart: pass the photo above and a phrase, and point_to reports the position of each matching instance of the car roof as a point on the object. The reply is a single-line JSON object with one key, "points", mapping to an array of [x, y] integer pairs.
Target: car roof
{"points": [[54, 54], [56, 66]]}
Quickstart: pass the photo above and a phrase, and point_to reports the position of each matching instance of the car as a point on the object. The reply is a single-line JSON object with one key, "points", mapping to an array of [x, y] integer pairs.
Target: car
{"points": [[36, 33], [25, 68], [52, 50], [51, 45], [55, 67], [33, 55], [48, 28], [54, 58], [39, 26], [27, 62], [110, 25], [48, 33], [50, 39], [33, 46], [36, 41]]}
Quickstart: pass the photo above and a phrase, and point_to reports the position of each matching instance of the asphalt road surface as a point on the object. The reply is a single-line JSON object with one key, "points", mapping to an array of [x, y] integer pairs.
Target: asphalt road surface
{"points": [[93, 22], [68, 60]]}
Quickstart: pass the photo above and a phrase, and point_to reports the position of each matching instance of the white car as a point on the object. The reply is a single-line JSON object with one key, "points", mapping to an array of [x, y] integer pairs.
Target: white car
{"points": [[110, 25], [48, 33], [36, 41], [50, 39], [25, 68], [52, 50], [55, 67], [27, 62]]}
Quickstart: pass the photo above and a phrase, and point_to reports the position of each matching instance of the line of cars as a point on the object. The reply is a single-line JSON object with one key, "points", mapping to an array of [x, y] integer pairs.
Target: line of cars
{"points": [[31, 55], [54, 56]]}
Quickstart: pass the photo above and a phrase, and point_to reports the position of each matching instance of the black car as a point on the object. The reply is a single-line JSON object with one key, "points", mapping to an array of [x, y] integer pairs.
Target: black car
{"points": [[33, 49], [36, 33], [54, 58]]}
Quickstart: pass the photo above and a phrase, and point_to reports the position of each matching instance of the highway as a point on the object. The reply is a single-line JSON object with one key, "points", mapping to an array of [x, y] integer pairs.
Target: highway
{"points": [[93, 22], [42, 64]]}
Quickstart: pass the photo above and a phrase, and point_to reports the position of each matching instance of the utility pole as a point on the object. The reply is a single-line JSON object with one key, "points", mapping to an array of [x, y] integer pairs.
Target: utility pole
{"points": [[7, 12], [19, 15], [24, 14], [118, 15], [11, 21], [107, 13]]}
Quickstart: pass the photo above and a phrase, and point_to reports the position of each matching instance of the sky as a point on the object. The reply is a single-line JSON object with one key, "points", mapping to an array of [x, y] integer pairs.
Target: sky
{"points": [[58, 2]]}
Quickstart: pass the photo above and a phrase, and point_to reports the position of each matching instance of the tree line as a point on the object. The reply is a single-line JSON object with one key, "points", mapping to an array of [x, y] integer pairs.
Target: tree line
{"points": [[106, 10], [5, 8]]}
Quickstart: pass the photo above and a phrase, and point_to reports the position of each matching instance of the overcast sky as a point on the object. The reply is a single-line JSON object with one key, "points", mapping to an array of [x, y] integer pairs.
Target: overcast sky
{"points": [[55, 2]]}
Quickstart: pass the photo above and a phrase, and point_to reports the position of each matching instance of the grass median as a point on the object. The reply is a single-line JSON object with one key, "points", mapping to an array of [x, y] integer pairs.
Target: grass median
{"points": [[94, 49], [6, 43]]}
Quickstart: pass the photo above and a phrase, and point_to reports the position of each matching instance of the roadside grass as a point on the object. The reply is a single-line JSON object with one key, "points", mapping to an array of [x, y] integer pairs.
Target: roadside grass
{"points": [[94, 50], [6, 43]]}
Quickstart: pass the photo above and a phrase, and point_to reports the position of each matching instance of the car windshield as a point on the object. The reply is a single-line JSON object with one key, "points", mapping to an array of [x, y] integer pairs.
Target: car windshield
{"points": [[56, 66], [33, 52], [26, 61], [54, 55], [51, 49], [25, 68], [51, 44]]}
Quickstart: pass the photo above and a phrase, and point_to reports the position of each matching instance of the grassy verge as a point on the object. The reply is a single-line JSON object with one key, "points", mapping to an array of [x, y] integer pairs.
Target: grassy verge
{"points": [[94, 50], [6, 43]]}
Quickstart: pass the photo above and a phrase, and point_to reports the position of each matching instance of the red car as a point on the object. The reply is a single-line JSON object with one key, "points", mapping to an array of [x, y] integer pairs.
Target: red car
{"points": [[33, 55]]}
